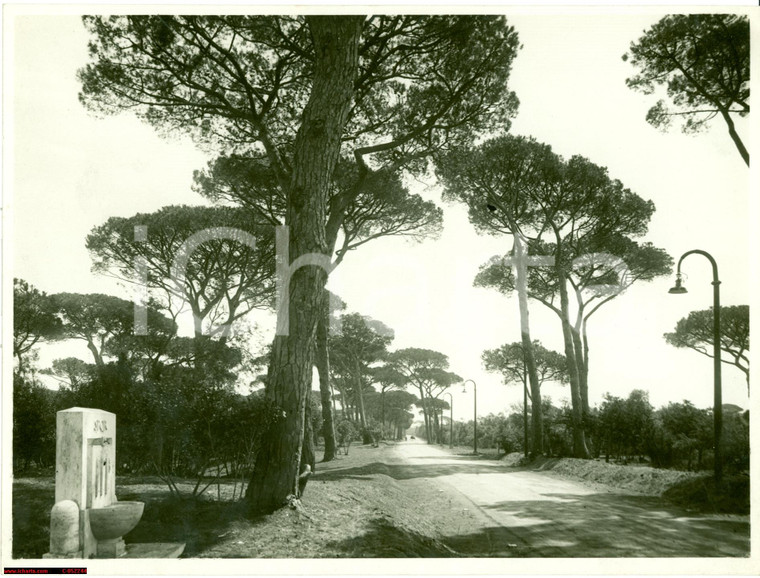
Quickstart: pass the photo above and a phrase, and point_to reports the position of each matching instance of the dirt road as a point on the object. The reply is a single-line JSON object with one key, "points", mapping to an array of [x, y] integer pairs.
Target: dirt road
{"points": [[534, 514]]}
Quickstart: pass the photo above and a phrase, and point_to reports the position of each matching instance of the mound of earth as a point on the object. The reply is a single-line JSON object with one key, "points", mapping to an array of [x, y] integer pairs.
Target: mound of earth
{"points": [[641, 479]]}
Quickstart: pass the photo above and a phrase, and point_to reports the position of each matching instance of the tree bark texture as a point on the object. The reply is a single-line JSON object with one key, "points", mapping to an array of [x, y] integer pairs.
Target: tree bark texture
{"points": [[316, 150]]}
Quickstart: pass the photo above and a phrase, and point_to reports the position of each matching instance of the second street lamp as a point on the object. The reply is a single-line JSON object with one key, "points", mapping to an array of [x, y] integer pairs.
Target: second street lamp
{"points": [[440, 428], [474, 412], [718, 401]]}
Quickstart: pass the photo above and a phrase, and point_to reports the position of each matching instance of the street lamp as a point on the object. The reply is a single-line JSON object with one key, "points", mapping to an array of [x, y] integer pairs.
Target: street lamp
{"points": [[475, 413], [440, 427], [451, 419], [525, 396], [717, 403]]}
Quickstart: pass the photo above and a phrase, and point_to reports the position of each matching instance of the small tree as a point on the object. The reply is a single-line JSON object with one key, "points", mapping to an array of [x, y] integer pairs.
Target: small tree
{"points": [[736, 439], [426, 370], [223, 278], [241, 429], [72, 372], [346, 433], [398, 410], [558, 429], [34, 320], [360, 343], [703, 60], [501, 431], [387, 379], [509, 360], [625, 424], [696, 332], [105, 323], [33, 423], [687, 431]]}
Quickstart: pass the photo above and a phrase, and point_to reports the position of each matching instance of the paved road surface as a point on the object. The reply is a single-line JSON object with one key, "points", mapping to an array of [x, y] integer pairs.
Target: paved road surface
{"points": [[530, 513]]}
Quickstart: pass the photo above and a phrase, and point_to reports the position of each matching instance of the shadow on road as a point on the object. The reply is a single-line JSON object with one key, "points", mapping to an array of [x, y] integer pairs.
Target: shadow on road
{"points": [[384, 540], [462, 457], [598, 525], [403, 471]]}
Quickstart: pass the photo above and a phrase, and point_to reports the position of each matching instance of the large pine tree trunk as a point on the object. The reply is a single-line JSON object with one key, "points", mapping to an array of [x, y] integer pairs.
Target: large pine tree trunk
{"points": [[735, 136], [323, 368], [580, 362], [537, 415], [358, 387], [316, 150], [529, 357], [584, 339], [580, 450], [425, 416], [20, 358], [308, 456], [382, 412], [96, 355], [344, 407]]}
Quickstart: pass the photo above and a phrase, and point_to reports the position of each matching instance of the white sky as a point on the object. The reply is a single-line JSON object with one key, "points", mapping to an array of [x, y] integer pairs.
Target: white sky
{"points": [[71, 171]]}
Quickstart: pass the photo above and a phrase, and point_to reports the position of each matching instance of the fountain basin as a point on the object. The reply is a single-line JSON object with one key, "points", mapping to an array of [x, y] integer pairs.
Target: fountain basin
{"points": [[114, 521]]}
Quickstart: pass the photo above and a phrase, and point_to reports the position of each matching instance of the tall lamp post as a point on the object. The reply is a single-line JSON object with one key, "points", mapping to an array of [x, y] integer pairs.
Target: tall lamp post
{"points": [[440, 428], [717, 402], [475, 412], [451, 419]]}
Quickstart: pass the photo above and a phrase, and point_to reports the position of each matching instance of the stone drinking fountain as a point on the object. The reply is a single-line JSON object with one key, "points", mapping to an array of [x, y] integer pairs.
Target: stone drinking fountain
{"points": [[87, 520]]}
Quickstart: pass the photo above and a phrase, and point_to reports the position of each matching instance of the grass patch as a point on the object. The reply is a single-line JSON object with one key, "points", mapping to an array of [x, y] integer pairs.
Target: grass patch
{"points": [[32, 500], [731, 496]]}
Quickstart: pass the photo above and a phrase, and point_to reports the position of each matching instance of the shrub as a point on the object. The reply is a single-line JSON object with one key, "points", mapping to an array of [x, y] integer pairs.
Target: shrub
{"points": [[346, 433], [33, 424]]}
